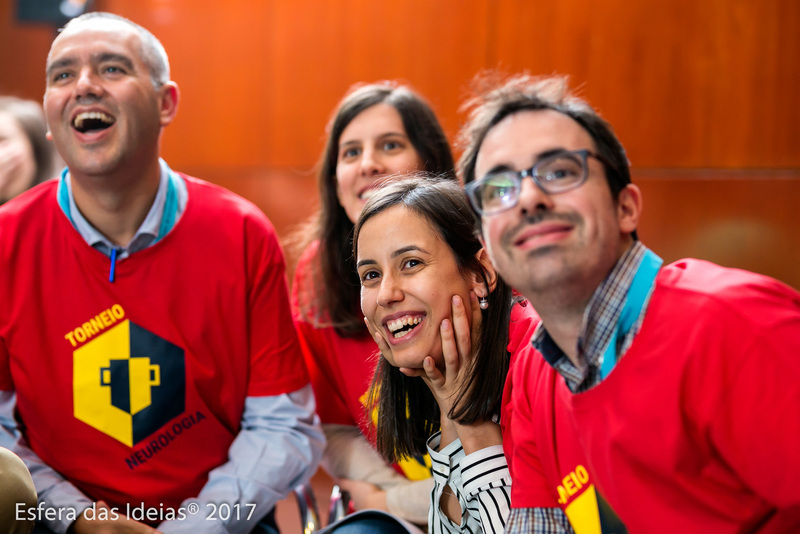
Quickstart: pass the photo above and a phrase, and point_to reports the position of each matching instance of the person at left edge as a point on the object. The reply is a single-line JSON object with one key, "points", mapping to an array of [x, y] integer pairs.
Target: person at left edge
{"points": [[147, 352]]}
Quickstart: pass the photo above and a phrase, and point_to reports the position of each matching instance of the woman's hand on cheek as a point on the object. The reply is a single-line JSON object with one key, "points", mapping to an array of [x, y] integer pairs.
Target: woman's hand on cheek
{"points": [[458, 339]]}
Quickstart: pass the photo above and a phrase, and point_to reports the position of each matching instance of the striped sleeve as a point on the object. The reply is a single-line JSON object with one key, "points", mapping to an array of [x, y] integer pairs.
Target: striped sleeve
{"points": [[481, 483], [487, 484]]}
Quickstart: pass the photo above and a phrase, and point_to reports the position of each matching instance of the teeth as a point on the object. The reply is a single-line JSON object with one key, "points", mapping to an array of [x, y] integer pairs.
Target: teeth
{"points": [[87, 115], [366, 195], [402, 334], [397, 324]]}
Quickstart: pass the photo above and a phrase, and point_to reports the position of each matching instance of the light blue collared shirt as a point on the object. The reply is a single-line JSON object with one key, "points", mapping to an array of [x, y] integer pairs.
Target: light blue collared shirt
{"points": [[150, 230]]}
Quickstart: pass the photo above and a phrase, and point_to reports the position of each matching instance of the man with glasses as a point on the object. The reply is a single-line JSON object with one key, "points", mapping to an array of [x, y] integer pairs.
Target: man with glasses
{"points": [[664, 396]]}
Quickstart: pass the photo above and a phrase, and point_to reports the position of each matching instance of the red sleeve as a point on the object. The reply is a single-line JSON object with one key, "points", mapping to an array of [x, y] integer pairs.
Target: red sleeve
{"points": [[276, 361], [521, 327], [522, 431], [319, 352], [754, 423], [320, 358]]}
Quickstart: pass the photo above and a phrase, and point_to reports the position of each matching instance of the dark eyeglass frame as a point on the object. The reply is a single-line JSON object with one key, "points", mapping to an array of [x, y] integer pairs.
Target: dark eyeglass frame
{"points": [[472, 189]]}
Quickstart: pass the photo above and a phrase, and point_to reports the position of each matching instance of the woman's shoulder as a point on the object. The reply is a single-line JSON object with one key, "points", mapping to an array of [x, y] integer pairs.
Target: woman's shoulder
{"points": [[521, 326]]}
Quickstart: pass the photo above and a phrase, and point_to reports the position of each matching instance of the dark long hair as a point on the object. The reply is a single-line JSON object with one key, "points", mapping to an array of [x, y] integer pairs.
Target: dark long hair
{"points": [[329, 294], [443, 204]]}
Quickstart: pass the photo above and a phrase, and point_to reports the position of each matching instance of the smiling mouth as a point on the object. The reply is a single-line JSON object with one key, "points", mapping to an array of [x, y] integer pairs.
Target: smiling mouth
{"points": [[543, 233], [92, 121], [403, 326]]}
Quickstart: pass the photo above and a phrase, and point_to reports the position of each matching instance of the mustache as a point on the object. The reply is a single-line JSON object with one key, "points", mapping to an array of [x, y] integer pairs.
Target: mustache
{"points": [[572, 219]]}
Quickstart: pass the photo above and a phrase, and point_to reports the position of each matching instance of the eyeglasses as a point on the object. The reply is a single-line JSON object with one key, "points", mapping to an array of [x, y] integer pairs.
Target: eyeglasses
{"points": [[554, 174]]}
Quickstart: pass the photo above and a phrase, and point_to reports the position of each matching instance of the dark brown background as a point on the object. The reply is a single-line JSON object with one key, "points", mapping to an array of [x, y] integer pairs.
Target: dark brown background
{"points": [[703, 95]]}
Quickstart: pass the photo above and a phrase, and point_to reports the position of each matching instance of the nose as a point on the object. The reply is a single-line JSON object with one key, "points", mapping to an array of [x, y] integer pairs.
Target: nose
{"points": [[389, 291], [532, 198], [87, 84], [371, 164]]}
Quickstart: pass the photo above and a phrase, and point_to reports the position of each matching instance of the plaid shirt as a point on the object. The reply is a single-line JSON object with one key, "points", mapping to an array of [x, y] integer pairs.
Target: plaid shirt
{"points": [[538, 521], [600, 321]]}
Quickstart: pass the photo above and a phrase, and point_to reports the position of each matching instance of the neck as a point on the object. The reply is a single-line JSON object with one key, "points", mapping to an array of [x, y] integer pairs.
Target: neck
{"points": [[562, 316], [117, 205], [562, 306]]}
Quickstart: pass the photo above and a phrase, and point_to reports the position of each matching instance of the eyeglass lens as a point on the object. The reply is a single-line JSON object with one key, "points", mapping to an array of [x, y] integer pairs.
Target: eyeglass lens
{"points": [[553, 174]]}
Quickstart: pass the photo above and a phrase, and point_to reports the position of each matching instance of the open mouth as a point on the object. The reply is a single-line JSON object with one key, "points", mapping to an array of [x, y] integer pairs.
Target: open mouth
{"points": [[92, 121], [403, 326]]}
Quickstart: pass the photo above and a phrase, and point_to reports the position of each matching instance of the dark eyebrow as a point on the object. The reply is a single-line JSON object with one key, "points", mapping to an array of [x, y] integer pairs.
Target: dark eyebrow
{"points": [[101, 58], [396, 253], [409, 248], [392, 134], [540, 156], [59, 64], [365, 262], [119, 58]]}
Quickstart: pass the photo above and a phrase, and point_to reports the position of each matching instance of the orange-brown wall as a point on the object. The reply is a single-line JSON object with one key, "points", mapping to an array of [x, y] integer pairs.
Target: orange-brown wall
{"points": [[702, 94]]}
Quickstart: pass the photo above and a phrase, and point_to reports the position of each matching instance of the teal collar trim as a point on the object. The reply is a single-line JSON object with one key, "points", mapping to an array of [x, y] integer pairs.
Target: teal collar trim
{"points": [[170, 213], [641, 287]]}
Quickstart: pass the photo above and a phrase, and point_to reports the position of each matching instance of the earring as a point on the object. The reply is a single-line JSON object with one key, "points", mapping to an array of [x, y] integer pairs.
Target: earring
{"points": [[484, 302]]}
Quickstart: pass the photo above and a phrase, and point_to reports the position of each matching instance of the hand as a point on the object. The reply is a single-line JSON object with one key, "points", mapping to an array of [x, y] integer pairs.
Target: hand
{"points": [[104, 520], [458, 340], [364, 495]]}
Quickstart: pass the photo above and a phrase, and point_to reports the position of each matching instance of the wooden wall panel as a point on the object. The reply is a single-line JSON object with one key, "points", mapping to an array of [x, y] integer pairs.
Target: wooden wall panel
{"points": [[747, 219], [259, 79], [685, 83], [23, 53], [692, 88]]}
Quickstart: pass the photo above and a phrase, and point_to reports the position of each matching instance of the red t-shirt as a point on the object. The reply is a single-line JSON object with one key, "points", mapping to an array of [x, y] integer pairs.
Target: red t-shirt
{"points": [[134, 390], [695, 428]]}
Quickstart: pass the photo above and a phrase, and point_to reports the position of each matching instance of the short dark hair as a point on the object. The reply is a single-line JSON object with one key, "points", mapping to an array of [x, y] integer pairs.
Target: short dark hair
{"points": [[153, 53], [30, 117], [443, 205], [331, 286], [499, 97]]}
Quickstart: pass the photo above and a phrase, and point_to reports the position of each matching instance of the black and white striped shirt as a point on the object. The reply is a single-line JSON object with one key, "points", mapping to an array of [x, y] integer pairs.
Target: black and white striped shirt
{"points": [[481, 483]]}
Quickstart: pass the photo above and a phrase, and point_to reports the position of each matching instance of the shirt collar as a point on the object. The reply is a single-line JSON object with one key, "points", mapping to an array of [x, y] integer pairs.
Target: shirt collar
{"points": [[599, 324], [148, 231]]}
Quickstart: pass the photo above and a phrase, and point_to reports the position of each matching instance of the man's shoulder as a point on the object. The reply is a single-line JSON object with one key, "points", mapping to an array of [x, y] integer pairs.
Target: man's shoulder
{"points": [[705, 277], [691, 284], [210, 194], [223, 205]]}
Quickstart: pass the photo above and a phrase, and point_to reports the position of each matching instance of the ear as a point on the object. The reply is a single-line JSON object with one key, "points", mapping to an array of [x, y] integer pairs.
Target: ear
{"points": [[485, 251], [168, 97], [478, 283], [629, 208]]}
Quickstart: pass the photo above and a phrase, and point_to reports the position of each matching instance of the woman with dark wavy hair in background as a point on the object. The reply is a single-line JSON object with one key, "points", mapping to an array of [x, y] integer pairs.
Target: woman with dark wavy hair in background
{"points": [[377, 131]]}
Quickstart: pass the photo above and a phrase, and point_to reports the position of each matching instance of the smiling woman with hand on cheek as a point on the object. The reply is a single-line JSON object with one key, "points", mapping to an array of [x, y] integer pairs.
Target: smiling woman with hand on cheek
{"points": [[444, 322]]}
